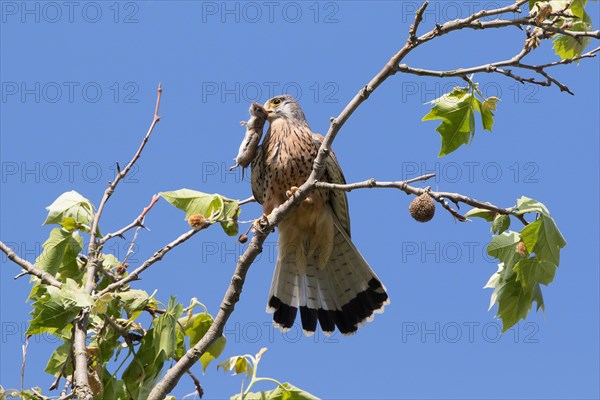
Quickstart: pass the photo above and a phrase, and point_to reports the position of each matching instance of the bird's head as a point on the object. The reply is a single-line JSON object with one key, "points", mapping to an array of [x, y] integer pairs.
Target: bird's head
{"points": [[284, 106]]}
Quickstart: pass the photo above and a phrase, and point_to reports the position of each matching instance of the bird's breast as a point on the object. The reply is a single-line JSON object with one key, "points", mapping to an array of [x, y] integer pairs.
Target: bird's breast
{"points": [[290, 153]]}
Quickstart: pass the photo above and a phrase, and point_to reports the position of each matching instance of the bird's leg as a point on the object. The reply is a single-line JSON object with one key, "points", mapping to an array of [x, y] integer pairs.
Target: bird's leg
{"points": [[307, 201]]}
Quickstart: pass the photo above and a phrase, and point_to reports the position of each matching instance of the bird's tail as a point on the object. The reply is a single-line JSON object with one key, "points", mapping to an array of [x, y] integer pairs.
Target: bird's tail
{"points": [[345, 292]]}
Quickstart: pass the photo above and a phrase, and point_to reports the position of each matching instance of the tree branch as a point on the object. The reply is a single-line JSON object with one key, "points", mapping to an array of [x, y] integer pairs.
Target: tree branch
{"points": [[138, 222], [28, 267], [134, 275], [404, 186], [266, 224], [93, 246], [82, 386], [495, 68]]}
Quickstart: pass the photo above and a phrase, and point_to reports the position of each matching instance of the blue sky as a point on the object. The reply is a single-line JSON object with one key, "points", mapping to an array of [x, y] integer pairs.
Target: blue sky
{"points": [[78, 91]]}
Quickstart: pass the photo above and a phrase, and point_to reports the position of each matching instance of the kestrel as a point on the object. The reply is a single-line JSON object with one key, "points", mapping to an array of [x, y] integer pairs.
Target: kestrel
{"points": [[319, 270]]}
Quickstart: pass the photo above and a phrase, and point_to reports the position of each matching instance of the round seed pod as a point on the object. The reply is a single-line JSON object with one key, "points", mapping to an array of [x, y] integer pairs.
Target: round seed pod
{"points": [[422, 208]]}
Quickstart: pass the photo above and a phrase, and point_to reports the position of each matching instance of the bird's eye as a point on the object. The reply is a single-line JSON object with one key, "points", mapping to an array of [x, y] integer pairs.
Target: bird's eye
{"points": [[276, 101]]}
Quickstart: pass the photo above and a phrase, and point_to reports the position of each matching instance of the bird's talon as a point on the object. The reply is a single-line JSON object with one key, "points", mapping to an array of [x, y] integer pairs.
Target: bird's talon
{"points": [[291, 192], [260, 224]]}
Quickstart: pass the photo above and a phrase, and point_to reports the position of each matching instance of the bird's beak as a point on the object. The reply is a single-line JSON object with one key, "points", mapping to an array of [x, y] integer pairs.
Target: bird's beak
{"points": [[270, 113]]}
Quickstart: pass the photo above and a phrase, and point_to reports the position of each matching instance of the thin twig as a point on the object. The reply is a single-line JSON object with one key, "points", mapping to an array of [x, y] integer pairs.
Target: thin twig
{"points": [[197, 384], [418, 19], [63, 393], [82, 386], [137, 222], [134, 275], [24, 349], [404, 186], [372, 183], [496, 68], [250, 199], [93, 246]]}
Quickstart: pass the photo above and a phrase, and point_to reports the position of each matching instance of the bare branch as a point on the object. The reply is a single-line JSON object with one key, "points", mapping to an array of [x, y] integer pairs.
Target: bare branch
{"points": [[246, 201], [418, 19], [197, 384], [92, 248], [82, 387], [24, 349], [496, 68], [134, 275], [574, 34], [138, 222], [404, 186], [372, 183], [28, 267]]}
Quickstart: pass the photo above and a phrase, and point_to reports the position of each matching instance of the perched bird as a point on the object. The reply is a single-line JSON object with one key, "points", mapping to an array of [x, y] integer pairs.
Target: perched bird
{"points": [[319, 270]]}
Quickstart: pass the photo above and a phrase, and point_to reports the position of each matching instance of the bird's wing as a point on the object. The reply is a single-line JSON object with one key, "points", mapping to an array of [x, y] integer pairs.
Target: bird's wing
{"points": [[257, 175], [338, 200]]}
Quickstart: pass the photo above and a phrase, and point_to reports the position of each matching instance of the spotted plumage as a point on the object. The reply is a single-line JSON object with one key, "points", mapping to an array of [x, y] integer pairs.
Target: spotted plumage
{"points": [[319, 271]]}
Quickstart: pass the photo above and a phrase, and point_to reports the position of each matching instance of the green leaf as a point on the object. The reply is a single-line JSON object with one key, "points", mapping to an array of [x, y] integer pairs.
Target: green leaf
{"points": [[481, 213], [527, 205], [487, 116], [543, 238], [59, 254], [286, 391], [213, 352], [212, 206], [569, 47], [71, 210], [456, 110], [144, 370], [55, 308], [514, 302], [538, 298], [194, 202], [504, 248], [500, 224], [134, 300], [196, 327], [110, 262], [229, 222], [76, 295], [533, 271], [58, 358], [165, 326], [113, 388], [237, 364], [578, 9]]}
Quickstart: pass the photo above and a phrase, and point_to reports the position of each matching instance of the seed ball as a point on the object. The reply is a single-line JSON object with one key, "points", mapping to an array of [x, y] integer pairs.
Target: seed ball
{"points": [[198, 221], [422, 208], [521, 249]]}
